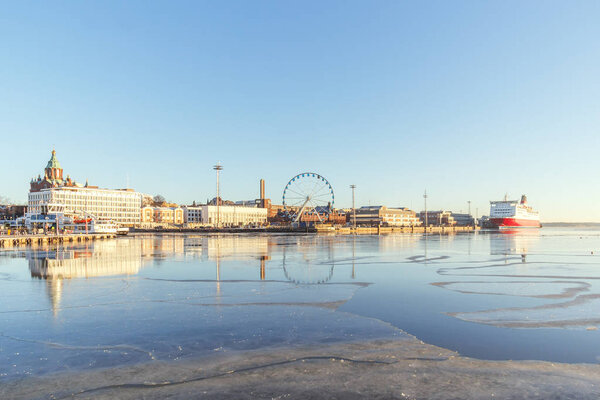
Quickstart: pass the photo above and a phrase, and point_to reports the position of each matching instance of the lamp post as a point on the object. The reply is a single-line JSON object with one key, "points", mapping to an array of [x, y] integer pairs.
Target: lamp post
{"points": [[353, 208], [425, 198], [469, 203], [218, 167]]}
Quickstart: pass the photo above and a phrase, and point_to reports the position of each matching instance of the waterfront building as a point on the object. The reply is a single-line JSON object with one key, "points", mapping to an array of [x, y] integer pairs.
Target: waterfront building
{"points": [[382, 215], [166, 215], [229, 215], [461, 219], [53, 194], [438, 218], [192, 214]]}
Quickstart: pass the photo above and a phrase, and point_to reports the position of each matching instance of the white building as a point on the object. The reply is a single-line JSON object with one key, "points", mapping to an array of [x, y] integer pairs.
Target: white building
{"points": [[121, 206], [54, 194], [227, 215], [382, 215], [192, 215]]}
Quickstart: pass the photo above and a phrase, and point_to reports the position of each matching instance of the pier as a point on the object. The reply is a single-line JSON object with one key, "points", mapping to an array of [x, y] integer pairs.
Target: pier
{"points": [[341, 230], [31, 240], [379, 230]]}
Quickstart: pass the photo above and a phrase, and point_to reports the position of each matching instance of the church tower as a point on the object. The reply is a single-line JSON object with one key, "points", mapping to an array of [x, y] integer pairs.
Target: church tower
{"points": [[53, 176], [53, 170]]}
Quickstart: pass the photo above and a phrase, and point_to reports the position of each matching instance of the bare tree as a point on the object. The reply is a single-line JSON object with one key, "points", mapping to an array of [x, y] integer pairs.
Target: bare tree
{"points": [[159, 200]]}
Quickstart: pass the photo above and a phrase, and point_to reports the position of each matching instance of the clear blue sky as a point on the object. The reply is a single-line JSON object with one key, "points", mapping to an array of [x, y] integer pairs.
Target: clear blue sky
{"points": [[467, 99]]}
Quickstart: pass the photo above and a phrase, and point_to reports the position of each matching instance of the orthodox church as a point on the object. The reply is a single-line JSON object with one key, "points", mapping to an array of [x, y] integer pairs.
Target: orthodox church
{"points": [[53, 177]]}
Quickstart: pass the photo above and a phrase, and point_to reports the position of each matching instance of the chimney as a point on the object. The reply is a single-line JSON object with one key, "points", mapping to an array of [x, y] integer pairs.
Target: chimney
{"points": [[262, 189]]}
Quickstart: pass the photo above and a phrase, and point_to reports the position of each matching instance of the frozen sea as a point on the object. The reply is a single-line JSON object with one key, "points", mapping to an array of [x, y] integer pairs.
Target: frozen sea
{"points": [[520, 295]]}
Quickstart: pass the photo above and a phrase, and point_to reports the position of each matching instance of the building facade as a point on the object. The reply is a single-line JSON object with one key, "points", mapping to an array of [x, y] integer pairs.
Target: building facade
{"points": [[192, 214], [463, 219], [165, 215], [120, 206], [55, 194], [384, 216], [226, 215], [438, 218]]}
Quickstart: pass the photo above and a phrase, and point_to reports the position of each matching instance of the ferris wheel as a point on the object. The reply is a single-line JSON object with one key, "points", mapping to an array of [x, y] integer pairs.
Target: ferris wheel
{"points": [[308, 194]]}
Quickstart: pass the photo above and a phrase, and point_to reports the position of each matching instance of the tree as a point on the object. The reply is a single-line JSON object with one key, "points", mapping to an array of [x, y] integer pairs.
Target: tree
{"points": [[159, 200]]}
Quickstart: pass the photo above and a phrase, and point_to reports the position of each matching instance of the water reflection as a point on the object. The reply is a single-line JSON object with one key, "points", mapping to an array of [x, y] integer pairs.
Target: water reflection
{"points": [[513, 241], [164, 297], [305, 260], [97, 259], [171, 296], [571, 278]]}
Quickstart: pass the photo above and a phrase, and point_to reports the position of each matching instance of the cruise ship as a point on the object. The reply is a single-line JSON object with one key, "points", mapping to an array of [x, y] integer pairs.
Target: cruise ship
{"points": [[513, 214]]}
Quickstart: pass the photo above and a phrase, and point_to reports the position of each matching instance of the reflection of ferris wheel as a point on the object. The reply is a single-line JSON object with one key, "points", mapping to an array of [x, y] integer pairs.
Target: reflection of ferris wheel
{"points": [[308, 266], [308, 193]]}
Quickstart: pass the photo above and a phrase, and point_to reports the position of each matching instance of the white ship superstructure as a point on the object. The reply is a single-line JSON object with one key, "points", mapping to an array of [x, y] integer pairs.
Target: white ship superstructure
{"points": [[513, 213]]}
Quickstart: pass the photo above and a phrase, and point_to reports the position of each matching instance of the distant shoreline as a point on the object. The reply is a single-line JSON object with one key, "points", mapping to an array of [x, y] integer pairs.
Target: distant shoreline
{"points": [[573, 224]]}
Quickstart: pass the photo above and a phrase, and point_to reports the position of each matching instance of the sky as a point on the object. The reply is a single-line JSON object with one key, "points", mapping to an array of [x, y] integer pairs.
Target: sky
{"points": [[470, 100]]}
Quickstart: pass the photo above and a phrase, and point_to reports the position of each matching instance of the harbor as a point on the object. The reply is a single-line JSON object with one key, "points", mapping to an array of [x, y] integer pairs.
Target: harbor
{"points": [[298, 200], [221, 314], [59, 204], [37, 240]]}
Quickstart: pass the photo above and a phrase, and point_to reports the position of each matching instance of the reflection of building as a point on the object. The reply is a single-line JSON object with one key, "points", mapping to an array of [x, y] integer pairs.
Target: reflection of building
{"points": [[67, 196], [161, 245], [382, 215], [99, 258], [167, 215], [232, 246], [96, 259], [395, 242]]}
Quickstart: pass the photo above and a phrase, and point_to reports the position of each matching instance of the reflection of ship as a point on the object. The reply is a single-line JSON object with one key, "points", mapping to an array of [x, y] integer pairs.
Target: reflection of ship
{"points": [[513, 214], [513, 242]]}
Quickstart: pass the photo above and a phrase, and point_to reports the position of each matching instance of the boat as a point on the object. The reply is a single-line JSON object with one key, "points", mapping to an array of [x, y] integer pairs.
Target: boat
{"points": [[92, 226], [101, 226], [513, 214], [122, 231]]}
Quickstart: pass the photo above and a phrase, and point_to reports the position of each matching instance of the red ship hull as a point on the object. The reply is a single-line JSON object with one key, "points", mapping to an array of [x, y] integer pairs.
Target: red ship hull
{"points": [[514, 223]]}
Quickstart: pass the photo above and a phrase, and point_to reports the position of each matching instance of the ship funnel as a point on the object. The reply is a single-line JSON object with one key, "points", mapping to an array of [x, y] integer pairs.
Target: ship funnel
{"points": [[523, 199]]}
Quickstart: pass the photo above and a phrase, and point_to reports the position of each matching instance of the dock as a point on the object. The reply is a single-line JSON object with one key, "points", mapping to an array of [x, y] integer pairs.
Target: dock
{"points": [[31, 240], [341, 230], [381, 230]]}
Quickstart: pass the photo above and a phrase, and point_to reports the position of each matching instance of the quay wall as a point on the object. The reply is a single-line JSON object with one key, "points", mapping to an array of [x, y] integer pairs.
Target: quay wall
{"points": [[319, 229], [32, 240], [379, 230]]}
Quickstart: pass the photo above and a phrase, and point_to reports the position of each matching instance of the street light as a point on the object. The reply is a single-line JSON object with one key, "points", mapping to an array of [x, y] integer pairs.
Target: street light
{"points": [[353, 208], [425, 197], [469, 202], [218, 167]]}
